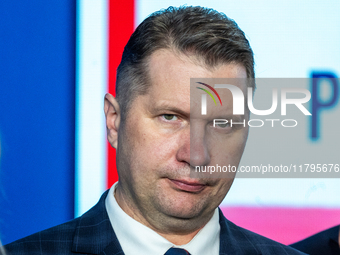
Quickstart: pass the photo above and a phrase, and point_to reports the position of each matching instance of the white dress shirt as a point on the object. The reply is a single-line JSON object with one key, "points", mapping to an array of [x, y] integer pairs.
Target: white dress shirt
{"points": [[136, 238]]}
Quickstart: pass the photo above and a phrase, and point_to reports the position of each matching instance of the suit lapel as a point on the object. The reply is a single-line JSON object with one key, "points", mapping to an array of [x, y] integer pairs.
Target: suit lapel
{"points": [[232, 240], [94, 233], [113, 249]]}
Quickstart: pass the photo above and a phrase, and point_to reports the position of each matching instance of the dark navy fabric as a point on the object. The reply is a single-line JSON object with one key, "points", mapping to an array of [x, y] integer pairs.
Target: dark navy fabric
{"points": [[237, 240], [176, 251], [92, 233], [325, 243]]}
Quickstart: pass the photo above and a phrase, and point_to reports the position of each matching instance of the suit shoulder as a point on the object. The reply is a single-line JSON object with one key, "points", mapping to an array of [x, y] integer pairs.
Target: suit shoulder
{"points": [[324, 242], [258, 243], [55, 240]]}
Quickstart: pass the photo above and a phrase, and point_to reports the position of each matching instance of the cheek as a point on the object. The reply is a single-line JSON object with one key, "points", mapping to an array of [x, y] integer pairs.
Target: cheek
{"points": [[221, 190], [148, 148], [229, 151], [153, 147]]}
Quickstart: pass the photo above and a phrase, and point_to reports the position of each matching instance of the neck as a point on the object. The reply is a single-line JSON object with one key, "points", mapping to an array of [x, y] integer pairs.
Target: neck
{"points": [[174, 236]]}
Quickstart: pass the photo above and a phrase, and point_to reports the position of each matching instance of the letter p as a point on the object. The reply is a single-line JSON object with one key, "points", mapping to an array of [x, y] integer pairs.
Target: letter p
{"points": [[317, 103]]}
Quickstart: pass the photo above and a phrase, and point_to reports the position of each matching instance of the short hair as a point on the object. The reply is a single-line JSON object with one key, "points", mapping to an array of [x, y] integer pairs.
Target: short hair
{"points": [[205, 33]]}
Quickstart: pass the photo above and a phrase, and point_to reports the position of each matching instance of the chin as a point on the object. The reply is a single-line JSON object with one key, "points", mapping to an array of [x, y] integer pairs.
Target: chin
{"points": [[184, 220], [182, 214], [183, 211]]}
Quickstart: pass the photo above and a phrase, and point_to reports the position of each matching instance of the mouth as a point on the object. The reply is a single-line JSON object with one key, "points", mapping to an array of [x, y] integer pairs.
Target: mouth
{"points": [[187, 186]]}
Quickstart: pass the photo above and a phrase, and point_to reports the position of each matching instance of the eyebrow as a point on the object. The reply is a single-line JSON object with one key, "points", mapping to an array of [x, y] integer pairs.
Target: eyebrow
{"points": [[168, 107], [229, 117]]}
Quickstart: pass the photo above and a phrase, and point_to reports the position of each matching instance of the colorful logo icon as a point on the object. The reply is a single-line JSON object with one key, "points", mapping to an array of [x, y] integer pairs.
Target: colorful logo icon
{"points": [[209, 93]]}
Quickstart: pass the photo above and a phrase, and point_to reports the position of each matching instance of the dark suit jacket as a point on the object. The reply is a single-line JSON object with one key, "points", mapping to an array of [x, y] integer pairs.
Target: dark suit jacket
{"points": [[92, 233], [325, 243]]}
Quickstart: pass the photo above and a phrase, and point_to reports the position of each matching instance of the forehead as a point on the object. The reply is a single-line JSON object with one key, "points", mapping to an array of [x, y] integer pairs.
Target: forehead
{"points": [[170, 74]]}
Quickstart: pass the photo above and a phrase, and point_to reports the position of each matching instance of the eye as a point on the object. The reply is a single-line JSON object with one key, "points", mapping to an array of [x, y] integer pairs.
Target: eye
{"points": [[221, 123], [169, 117], [224, 125]]}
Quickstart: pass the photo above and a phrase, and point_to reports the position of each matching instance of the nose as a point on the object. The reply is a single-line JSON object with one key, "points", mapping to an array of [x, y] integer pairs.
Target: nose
{"points": [[194, 150]]}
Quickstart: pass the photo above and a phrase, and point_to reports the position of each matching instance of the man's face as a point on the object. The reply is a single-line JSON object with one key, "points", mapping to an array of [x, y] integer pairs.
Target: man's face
{"points": [[153, 154]]}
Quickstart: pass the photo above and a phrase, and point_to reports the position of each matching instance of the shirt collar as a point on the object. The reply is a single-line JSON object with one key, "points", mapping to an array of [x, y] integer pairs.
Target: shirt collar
{"points": [[136, 238]]}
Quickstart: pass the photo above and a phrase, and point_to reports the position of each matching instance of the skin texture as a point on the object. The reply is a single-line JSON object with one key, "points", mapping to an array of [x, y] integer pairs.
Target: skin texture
{"points": [[162, 141]]}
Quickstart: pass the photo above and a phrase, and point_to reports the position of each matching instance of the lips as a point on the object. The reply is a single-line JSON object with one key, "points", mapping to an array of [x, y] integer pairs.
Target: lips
{"points": [[187, 186]]}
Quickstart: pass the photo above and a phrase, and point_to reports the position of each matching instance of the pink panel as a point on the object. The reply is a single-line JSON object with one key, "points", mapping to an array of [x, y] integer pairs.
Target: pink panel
{"points": [[283, 224]]}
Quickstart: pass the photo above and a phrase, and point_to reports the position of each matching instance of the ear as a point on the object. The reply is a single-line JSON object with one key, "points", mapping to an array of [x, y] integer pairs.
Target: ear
{"points": [[112, 115]]}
